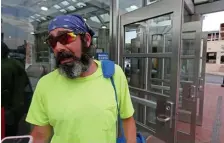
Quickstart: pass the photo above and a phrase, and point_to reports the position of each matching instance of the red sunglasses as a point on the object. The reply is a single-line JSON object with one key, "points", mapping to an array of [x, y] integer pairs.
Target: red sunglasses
{"points": [[64, 39]]}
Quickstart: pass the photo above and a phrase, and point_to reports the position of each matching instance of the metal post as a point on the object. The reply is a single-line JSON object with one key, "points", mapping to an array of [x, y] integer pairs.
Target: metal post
{"points": [[113, 48]]}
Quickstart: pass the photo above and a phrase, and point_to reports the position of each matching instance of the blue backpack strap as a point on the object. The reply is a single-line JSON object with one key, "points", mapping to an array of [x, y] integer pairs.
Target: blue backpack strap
{"points": [[108, 68]]}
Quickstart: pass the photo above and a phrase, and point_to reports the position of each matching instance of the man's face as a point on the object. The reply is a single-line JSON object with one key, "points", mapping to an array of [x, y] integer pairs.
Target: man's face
{"points": [[70, 51]]}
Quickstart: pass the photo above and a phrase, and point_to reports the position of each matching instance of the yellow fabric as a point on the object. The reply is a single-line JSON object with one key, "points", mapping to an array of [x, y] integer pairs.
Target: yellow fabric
{"points": [[81, 110]]}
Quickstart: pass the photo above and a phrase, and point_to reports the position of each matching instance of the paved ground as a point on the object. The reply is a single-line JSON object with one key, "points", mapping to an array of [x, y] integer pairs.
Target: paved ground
{"points": [[212, 129]]}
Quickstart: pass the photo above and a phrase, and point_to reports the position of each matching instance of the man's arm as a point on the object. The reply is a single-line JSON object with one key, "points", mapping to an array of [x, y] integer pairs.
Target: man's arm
{"points": [[41, 134], [126, 108], [129, 130], [38, 117]]}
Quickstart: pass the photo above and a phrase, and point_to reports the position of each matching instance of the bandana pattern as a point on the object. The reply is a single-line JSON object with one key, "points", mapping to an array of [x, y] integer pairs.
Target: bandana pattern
{"points": [[73, 22]]}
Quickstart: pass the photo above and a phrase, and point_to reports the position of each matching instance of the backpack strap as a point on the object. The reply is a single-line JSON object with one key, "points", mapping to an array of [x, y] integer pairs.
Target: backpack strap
{"points": [[108, 68]]}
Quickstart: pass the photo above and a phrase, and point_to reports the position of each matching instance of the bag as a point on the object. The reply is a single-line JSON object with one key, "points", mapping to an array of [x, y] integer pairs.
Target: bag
{"points": [[108, 69]]}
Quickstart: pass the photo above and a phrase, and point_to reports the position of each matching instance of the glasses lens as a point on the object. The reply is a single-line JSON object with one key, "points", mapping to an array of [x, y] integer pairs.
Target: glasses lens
{"points": [[52, 42], [64, 39]]}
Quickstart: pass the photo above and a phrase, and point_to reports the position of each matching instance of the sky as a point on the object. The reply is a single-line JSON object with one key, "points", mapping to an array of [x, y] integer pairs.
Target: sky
{"points": [[212, 21]]}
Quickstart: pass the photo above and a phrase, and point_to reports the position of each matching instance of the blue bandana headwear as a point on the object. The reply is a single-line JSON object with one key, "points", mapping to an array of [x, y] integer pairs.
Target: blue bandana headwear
{"points": [[73, 22]]}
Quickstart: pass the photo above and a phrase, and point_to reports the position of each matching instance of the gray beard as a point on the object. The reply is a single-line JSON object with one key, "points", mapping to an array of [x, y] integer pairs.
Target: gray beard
{"points": [[74, 69]]}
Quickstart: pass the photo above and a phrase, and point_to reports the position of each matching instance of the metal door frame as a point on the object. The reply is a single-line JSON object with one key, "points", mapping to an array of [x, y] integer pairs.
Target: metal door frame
{"points": [[201, 77], [160, 8], [191, 117]]}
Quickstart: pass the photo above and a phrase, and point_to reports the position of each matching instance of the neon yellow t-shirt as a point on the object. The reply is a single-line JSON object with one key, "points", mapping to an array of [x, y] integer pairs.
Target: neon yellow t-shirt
{"points": [[81, 110]]}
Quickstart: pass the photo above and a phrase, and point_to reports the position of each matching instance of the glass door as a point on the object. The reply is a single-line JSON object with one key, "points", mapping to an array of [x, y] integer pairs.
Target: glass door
{"points": [[150, 47]]}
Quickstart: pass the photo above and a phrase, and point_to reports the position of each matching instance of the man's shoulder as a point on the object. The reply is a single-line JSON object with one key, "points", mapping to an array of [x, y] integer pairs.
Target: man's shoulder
{"points": [[49, 78], [118, 68], [119, 73]]}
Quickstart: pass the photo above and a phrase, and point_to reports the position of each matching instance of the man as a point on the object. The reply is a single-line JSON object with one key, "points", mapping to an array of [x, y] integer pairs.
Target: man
{"points": [[13, 90], [75, 101]]}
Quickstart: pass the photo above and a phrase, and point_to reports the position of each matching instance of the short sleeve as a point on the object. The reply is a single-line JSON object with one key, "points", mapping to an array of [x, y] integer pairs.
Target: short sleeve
{"points": [[37, 114], [126, 106]]}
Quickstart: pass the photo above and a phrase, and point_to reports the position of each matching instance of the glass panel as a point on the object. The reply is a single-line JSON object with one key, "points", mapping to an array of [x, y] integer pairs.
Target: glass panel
{"points": [[139, 109], [187, 69], [160, 68], [106, 17], [145, 114], [128, 6], [160, 34], [185, 108], [156, 34], [135, 71], [188, 47], [134, 38], [95, 19]]}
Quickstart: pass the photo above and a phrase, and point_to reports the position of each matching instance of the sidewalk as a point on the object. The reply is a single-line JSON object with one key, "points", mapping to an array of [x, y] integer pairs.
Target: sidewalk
{"points": [[212, 129], [216, 73]]}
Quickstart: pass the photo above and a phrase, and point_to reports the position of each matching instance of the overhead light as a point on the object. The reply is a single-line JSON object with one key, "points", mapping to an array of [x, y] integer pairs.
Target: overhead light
{"points": [[38, 20], [71, 8], [84, 19], [32, 33], [133, 7], [63, 10], [31, 20], [57, 6], [37, 15], [104, 27], [95, 19], [74, 0], [10, 37], [32, 17], [81, 4], [44, 8], [43, 18], [65, 3], [105, 17]]}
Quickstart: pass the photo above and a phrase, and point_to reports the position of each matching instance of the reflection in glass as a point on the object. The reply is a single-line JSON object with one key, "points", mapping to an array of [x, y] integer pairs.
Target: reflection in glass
{"points": [[187, 69], [154, 34], [188, 47], [134, 38], [42, 50], [160, 36], [134, 71], [160, 68]]}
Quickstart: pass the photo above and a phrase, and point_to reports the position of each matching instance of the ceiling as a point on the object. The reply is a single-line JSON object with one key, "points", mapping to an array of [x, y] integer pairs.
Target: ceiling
{"points": [[33, 15], [37, 13]]}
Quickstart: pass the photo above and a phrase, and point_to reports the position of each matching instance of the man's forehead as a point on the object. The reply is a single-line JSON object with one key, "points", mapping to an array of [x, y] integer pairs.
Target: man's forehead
{"points": [[59, 31]]}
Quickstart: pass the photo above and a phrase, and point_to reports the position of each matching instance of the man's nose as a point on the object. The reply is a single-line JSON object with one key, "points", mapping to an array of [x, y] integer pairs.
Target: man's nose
{"points": [[59, 47]]}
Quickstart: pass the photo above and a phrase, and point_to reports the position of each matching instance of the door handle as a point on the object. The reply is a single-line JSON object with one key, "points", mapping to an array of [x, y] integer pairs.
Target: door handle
{"points": [[164, 113], [163, 118]]}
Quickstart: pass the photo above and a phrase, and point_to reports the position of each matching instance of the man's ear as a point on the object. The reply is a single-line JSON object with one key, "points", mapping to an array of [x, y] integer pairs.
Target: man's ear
{"points": [[88, 39]]}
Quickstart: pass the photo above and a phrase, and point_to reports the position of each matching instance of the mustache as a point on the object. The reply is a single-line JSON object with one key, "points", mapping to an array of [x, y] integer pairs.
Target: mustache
{"points": [[66, 54]]}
